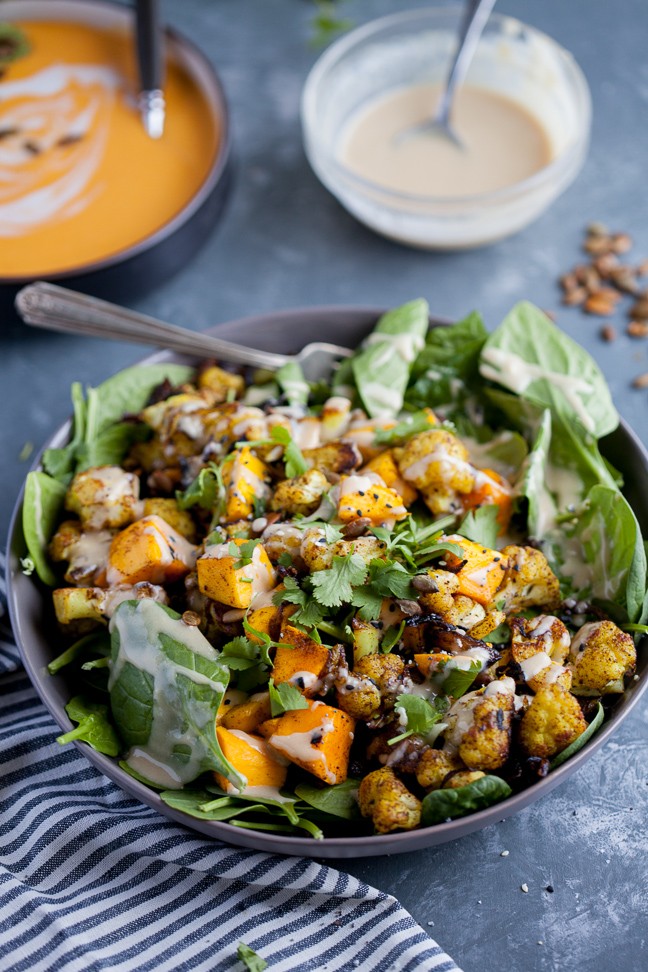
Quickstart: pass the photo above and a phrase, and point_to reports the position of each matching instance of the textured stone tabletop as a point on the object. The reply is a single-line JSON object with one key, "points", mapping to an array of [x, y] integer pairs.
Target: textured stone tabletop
{"points": [[285, 242]]}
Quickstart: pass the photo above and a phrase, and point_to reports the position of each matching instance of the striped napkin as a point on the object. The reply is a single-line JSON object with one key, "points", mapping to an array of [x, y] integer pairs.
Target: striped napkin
{"points": [[91, 879]]}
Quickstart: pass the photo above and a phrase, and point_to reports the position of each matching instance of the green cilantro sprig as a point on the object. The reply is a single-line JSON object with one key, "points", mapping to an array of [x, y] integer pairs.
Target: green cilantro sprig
{"points": [[421, 715], [285, 698]]}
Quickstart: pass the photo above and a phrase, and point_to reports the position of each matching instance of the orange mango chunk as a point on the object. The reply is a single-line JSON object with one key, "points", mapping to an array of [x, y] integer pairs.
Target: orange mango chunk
{"points": [[491, 489], [481, 574], [427, 663], [249, 714], [149, 550], [303, 664], [360, 496], [252, 757], [385, 466], [318, 739], [220, 580], [244, 478]]}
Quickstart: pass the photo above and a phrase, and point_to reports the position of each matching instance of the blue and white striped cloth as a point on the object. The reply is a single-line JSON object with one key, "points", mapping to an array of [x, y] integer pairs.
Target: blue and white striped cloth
{"points": [[91, 879]]}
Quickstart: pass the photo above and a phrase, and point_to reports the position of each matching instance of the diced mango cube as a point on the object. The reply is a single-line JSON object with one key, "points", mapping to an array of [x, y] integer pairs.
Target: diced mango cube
{"points": [[318, 739], [244, 476], [149, 550], [482, 572], [492, 489], [220, 580], [248, 715], [303, 664], [385, 466], [252, 757], [361, 497]]}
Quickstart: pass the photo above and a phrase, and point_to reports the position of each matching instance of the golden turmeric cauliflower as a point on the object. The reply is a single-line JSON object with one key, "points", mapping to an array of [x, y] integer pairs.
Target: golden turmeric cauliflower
{"points": [[386, 799], [552, 722], [601, 656], [528, 582]]}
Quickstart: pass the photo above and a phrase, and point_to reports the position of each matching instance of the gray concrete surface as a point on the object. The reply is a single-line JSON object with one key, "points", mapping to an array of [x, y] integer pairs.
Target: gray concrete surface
{"points": [[285, 242]]}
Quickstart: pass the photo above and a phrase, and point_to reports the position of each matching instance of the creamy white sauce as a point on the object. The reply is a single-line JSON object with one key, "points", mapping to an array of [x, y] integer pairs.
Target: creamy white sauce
{"points": [[171, 545], [297, 746], [386, 401], [406, 345], [515, 373]]}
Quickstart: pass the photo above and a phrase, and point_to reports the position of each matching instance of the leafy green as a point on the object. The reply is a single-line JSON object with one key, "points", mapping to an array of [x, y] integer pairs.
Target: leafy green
{"points": [[94, 726], [170, 715], [13, 44], [309, 613], [339, 800], [412, 425], [584, 737], [391, 637], [250, 959], [481, 525], [285, 698], [381, 368], [334, 586], [421, 714], [447, 368], [456, 681], [111, 445], [529, 355], [387, 578], [42, 505], [294, 386], [532, 484], [447, 804], [326, 23], [607, 537], [207, 490], [294, 461], [244, 552]]}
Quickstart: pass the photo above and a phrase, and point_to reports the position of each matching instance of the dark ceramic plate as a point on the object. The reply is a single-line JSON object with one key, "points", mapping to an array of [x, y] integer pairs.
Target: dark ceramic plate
{"points": [[288, 331]]}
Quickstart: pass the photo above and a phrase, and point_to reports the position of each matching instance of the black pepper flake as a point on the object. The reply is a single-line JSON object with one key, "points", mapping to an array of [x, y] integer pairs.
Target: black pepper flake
{"points": [[549, 888], [361, 492], [70, 139], [499, 719], [8, 132], [359, 512], [299, 682], [32, 148], [316, 738], [375, 496]]}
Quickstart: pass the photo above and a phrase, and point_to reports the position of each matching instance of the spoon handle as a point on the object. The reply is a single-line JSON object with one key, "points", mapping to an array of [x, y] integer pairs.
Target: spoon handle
{"points": [[475, 17], [58, 309]]}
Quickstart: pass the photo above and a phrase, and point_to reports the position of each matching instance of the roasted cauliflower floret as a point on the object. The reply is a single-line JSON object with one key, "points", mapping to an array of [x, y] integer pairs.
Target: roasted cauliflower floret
{"points": [[318, 555], [434, 765], [552, 721], [385, 670], [539, 646], [488, 624], [103, 497], [386, 799], [282, 538], [479, 726], [601, 655], [301, 495], [528, 582], [437, 463], [86, 553], [462, 778], [221, 383], [334, 459], [358, 695], [440, 601]]}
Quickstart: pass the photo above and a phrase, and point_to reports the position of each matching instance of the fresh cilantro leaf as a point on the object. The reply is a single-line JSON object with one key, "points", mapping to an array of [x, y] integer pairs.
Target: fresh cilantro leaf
{"points": [[334, 586], [369, 601], [456, 681], [285, 698], [285, 560], [294, 461], [387, 578], [250, 959], [415, 423], [481, 525], [332, 533], [421, 714], [207, 490], [240, 654], [309, 613], [243, 552]]}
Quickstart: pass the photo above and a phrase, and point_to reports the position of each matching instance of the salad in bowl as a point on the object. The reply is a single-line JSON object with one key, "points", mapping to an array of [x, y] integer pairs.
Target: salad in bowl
{"points": [[366, 606]]}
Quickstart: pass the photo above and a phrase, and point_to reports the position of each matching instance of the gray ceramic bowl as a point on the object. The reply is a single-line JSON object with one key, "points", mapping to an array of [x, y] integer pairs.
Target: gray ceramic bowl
{"points": [[31, 618]]}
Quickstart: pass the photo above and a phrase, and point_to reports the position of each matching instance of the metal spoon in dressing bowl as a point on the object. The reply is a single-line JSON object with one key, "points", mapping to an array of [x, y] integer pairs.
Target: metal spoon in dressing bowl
{"points": [[475, 18]]}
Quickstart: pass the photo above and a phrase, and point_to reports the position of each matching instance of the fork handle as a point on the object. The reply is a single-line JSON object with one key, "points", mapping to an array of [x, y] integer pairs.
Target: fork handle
{"points": [[59, 309]]}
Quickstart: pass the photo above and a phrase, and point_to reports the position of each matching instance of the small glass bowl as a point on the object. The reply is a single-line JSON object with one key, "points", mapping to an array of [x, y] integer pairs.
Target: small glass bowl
{"points": [[414, 47]]}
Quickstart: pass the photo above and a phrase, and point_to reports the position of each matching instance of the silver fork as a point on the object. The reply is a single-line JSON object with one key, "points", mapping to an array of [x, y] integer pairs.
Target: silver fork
{"points": [[59, 309]]}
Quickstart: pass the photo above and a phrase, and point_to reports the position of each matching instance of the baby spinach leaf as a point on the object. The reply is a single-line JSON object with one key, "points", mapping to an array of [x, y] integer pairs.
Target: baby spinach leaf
{"points": [[382, 367], [60, 463], [42, 505], [127, 392], [290, 379], [97, 642], [94, 726], [447, 804], [584, 737], [481, 525], [194, 803], [109, 447], [285, 698], [530, 356], [250, 959], [607, 538], [166, 686], [446, 370], [412, 425], [339, 800], [532, 484]]}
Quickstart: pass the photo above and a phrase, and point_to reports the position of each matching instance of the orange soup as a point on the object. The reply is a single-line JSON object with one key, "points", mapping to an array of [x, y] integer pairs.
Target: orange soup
{"points": [[80, 180]]}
